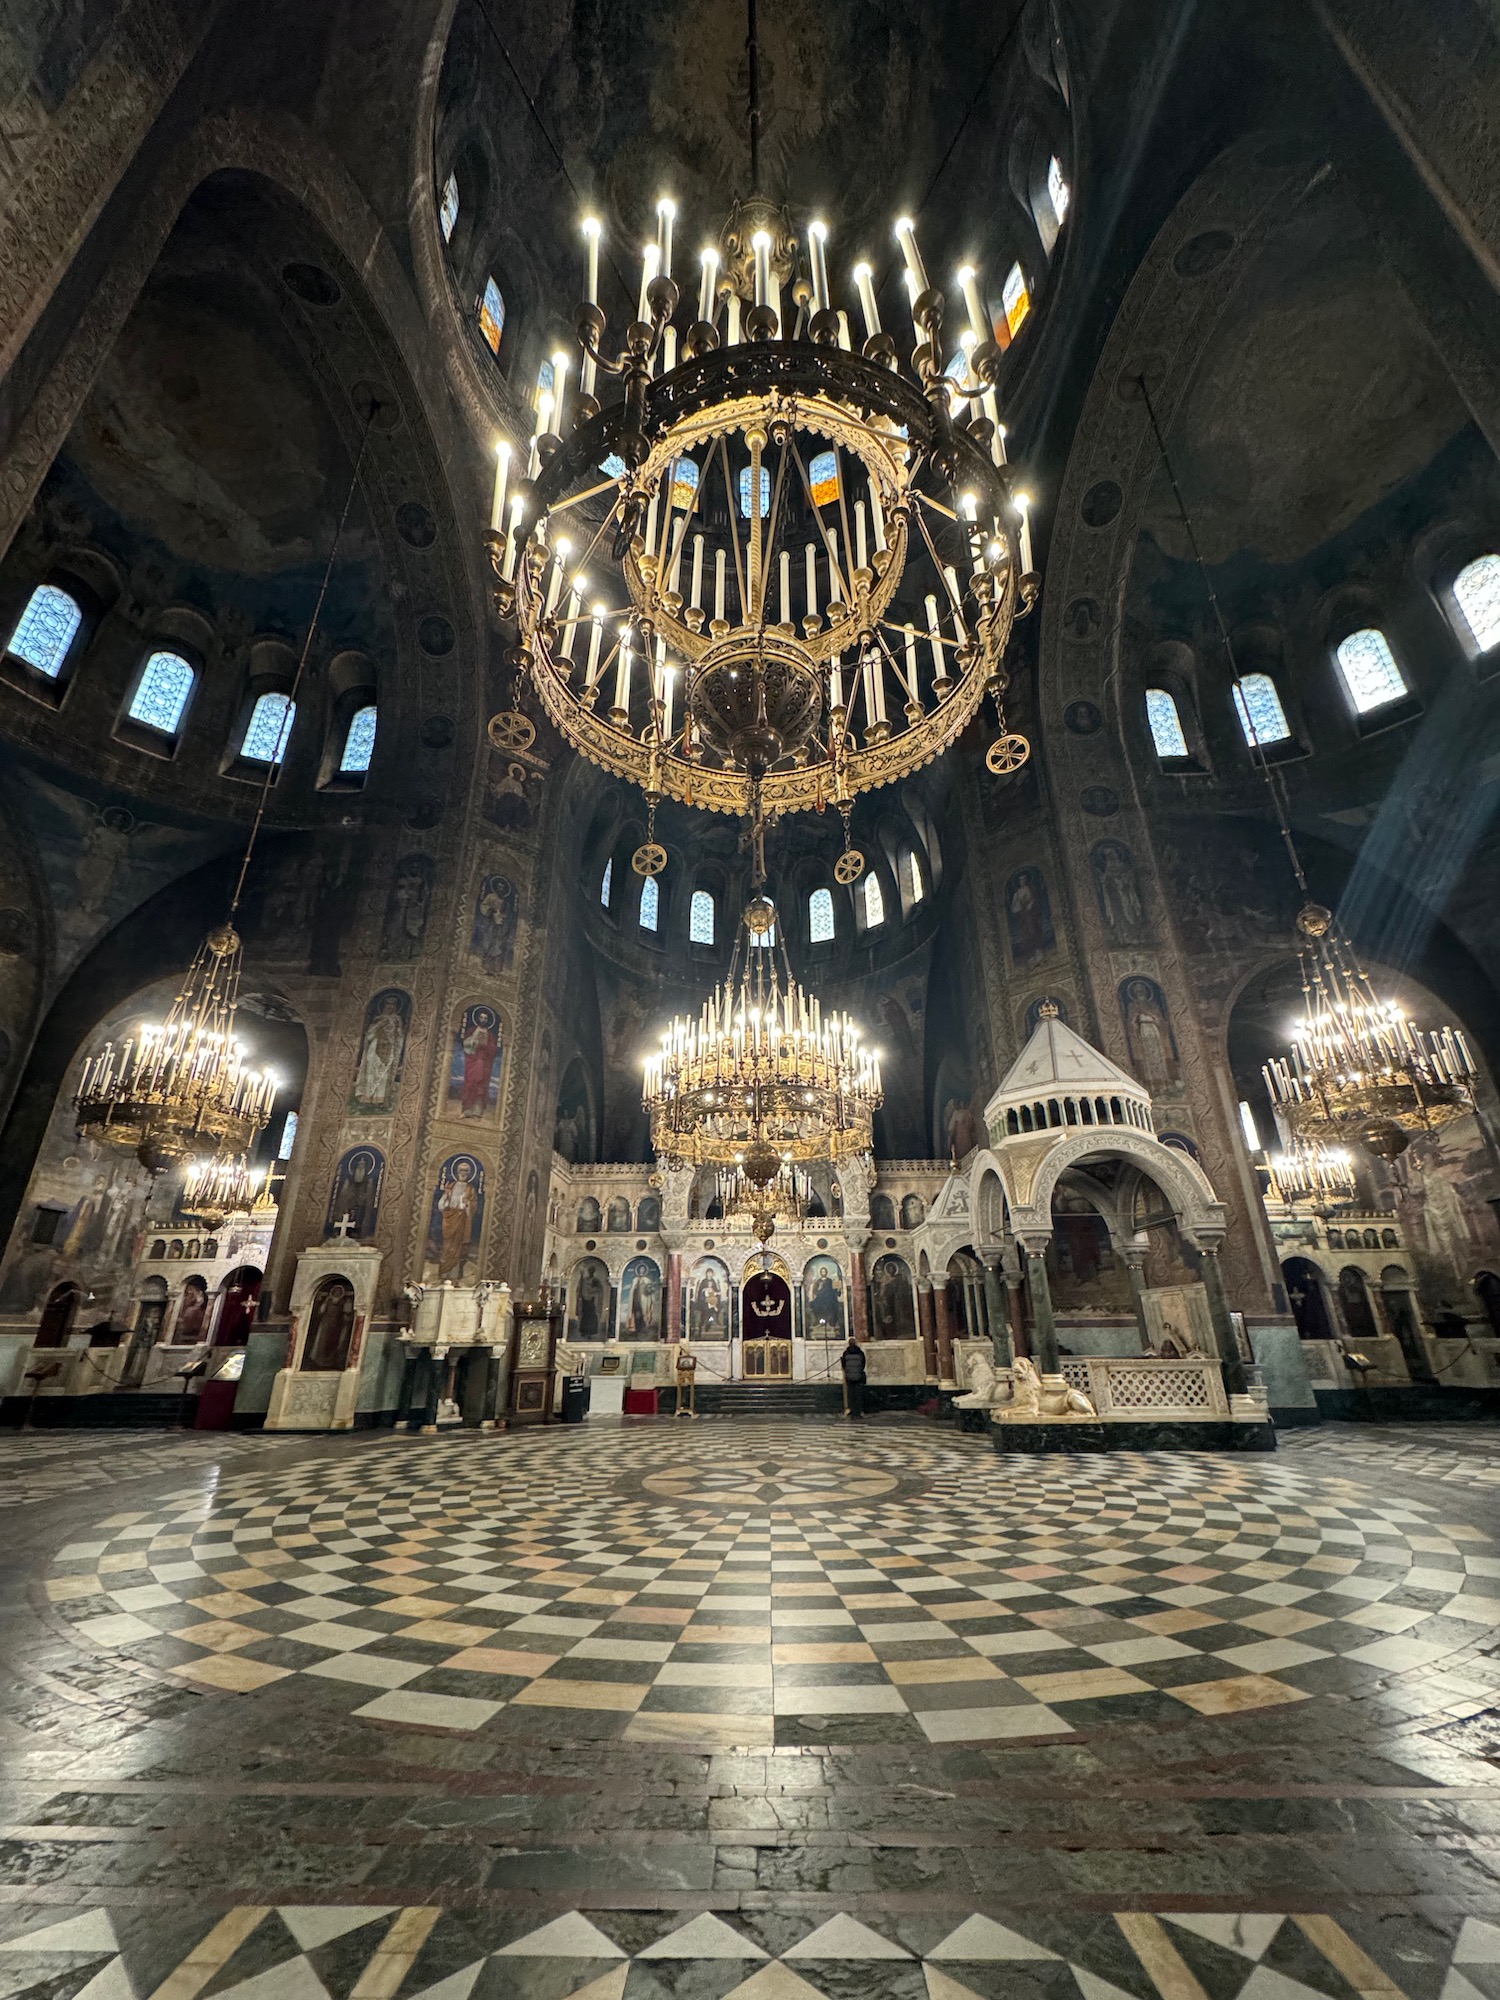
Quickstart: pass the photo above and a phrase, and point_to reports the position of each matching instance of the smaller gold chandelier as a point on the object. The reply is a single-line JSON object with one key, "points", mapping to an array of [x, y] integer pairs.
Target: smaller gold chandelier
{"points": [[765, 1188], [763, 1081], [181, 1087], [213, 1190], [1314, 1176], [1358, 1069]]}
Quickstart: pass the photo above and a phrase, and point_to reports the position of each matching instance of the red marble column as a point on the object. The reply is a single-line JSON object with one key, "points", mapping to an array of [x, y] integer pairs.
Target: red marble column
{"points": [[674, 1295], [928, 1327], [861, 1298], [944, 1333]]}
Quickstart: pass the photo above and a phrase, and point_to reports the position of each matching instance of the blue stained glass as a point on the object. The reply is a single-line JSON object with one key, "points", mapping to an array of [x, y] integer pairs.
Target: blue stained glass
{"points": [[1166, 724], [701, 918], [1370, 671], [271, 722], [288, 1137], [163, 692], [874, 902], [1477, 591], [820, 916], [765, 492], [359, 744], [45, 630], [613, 467], [650, 902], [607, 882], [823, 478], [492, 315], [1258, 706]]}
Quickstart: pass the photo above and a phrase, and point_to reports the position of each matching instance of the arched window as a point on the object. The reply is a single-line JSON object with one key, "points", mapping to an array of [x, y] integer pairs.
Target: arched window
{"points": [[162, 693], [1165, 724], [684, 483], [448, 208], [359, 742], [1369, 671], [45, 630], [1259, 709], [650, 903], [288, 1137], [1015, 304], [823, 477], [765, 493], [820, 916], [874, 902], [911, 878], [1476, 591], [270, 725], [701, 918], [492, 316], [607, 881], [1058, 191]]}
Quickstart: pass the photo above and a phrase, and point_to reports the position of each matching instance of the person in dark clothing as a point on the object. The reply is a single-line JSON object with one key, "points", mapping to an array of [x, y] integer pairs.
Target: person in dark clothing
{"points": [[852, 1361]]}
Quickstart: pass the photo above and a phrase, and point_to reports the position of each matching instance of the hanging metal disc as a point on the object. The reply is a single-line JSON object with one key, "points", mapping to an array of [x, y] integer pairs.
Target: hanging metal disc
{"points": [[510, 730], [849, 866], [649, 859], [1006, 754]]}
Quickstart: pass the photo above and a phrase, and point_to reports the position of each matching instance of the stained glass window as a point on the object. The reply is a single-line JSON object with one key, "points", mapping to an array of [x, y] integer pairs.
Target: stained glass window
{"points": [[271, 722], [684, 483], [613, 467], [448, 207], [823, 477], [608, 881], [492, 316], [915, 887], [288, 1137], [1477, 591], [1370, 671], [1058, 191], [1166, 724], [1015, 303], [765, 492], [1258, 706], [701, 917], [650, 903], [874, 902], [820, 916], [359, 743], [45, 630], [162, 693]]}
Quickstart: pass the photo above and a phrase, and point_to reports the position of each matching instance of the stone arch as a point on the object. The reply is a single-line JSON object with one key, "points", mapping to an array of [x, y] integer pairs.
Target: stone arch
{"points": [[1200, 1214]]}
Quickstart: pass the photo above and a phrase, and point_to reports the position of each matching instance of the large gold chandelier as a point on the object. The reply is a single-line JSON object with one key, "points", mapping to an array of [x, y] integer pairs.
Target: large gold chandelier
{"points": [[763, 1083], [182, 1086], [781, 568], [1357, 1068]]}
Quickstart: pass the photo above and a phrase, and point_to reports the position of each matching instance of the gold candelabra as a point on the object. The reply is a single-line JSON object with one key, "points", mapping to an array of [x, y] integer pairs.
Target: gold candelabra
{"points": [[1358, 1069], [214, 1189], [178, 1087]]}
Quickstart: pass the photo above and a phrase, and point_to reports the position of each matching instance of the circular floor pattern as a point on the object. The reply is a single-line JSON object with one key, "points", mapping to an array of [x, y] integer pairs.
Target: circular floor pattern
{"points": [[779, 1583]]}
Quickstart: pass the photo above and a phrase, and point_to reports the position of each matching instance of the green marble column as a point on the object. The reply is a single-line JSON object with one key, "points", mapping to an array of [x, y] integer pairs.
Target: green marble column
{"points": [[1044, 1326], [1218, 1308], [994, 1298]]}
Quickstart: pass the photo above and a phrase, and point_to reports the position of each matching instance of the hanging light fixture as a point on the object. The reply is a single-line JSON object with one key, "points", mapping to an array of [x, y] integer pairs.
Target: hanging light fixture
{"points": [[762, 1084], [214, 1189], [1319, 1177], [782, 566], [170, 1091], [1357, 1070]]}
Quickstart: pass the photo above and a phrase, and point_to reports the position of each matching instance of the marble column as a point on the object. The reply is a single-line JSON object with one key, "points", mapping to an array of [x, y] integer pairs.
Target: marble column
{"points": [[674, 1295], [1043, 1325], [1015, 1311], [859, 1297], [994, 1298], [944, 1336], [1135, 1270], [927, 1326], [1218, 1309], [1401, 1312]]}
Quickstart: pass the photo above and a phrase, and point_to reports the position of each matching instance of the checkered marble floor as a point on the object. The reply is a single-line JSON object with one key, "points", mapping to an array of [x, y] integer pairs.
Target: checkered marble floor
{"points": [[1462, 1454], [778, 1583], [37, 1466], [357, 1952]]}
